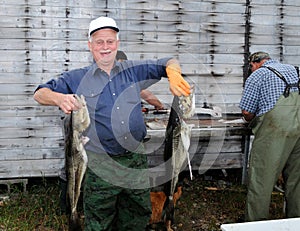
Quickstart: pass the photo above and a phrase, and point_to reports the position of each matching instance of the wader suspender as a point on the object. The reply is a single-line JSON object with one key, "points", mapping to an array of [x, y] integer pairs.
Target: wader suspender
{"points": [[287, 85]]}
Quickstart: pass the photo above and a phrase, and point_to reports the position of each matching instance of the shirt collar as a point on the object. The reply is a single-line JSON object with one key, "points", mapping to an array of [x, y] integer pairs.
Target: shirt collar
{"points": [[116, 67], [269, 62]]}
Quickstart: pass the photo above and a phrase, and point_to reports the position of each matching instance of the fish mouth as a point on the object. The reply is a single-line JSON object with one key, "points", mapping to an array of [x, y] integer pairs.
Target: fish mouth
{"points": [[187, 104]]}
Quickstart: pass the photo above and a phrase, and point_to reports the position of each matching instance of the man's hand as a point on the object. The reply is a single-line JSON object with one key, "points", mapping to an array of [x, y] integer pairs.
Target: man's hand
{"points": [[178, 85], [247, 116], [66, 102]]}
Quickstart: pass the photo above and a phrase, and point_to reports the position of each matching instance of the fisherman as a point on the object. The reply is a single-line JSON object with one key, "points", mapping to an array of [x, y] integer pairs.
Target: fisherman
{"points": [[146, 95], [271, 103], [116, 191]]}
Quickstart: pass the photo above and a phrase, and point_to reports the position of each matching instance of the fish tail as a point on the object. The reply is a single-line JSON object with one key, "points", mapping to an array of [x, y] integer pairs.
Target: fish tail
{"points": [[170, 210], [74, 222]]}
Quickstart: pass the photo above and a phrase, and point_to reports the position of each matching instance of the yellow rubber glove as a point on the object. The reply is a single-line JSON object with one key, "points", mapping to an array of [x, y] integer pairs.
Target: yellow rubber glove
{"points": [[178, 85]]}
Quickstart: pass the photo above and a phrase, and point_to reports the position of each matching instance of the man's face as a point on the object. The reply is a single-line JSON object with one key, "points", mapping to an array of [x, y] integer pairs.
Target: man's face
{"points": [[103, 46], [254, 66]]}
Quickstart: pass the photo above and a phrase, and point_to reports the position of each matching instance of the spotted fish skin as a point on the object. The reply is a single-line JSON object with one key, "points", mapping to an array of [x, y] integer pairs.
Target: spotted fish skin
{"points": [[76, 158]]}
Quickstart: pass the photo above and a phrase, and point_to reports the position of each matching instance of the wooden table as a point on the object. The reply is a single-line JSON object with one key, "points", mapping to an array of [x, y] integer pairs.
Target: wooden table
{"points": [[231, 140]]}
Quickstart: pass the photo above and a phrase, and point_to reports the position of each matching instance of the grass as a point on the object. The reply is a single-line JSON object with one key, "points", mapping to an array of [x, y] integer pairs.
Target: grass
{"points": [[36, 209], [204, 205]]}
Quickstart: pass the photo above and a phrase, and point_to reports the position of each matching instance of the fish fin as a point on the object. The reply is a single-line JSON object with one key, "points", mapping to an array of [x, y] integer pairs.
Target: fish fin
{"points": [[186, 135], [84, 139]]}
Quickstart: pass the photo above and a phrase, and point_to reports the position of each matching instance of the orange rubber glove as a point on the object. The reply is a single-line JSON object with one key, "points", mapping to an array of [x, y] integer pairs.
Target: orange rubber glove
{"points": [[178, 85]]}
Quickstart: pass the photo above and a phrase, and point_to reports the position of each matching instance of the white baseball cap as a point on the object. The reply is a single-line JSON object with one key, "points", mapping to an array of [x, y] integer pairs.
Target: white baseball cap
{"points": [[102, 23]]}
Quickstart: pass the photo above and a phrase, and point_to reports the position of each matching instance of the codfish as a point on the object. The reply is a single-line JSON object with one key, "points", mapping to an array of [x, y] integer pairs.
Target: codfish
{"points": [[75, 156], [177, 143]]}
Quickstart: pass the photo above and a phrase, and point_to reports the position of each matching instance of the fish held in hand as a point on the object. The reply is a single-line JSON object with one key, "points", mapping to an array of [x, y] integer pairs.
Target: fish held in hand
{"points": [[76, 158], [177, 143]]}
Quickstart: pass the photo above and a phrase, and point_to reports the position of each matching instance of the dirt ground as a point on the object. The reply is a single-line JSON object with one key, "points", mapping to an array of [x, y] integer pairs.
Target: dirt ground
{"points": [[207, 202], [213, 199]]}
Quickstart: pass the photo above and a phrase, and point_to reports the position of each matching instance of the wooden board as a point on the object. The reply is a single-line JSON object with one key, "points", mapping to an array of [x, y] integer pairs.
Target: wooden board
{"points": [[40, 39]]}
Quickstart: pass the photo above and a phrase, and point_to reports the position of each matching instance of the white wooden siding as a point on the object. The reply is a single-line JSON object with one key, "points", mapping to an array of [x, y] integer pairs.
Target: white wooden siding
{"points": [[39, 39]]}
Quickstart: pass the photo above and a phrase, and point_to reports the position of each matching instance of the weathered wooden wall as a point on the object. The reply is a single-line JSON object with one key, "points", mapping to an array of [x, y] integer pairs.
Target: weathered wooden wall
{"points": [[41, 38]]}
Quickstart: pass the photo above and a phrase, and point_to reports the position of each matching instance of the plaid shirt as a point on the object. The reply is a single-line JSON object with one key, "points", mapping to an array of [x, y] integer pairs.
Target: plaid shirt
{"points": [[263, 87]]}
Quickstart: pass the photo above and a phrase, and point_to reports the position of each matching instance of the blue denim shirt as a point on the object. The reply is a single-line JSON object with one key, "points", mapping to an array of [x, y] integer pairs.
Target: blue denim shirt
{"points": [[113, 101]]}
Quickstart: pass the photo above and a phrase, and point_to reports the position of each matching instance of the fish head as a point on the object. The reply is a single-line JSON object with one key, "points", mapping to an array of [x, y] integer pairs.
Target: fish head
{"points": [[187, 104]]}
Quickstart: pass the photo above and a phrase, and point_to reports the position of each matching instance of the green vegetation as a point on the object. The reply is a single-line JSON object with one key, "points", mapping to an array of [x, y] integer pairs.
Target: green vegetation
{"points": [[36, 209], [205, 204]]}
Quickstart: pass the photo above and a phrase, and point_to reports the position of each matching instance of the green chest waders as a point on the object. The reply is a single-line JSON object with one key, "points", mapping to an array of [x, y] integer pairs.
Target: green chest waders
{"points": [[275, 150]]}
